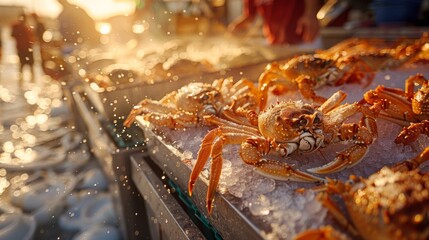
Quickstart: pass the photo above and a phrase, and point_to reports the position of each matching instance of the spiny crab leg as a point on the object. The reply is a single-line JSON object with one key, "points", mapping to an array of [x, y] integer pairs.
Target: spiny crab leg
{"points": [[412, 81], [213, 120], [413, 163], [253, 150], [203, 156], [411, 133], [147, 105], [283, 171], [206, 147], [333, 208], [394, 97], [212, 146], [270, 77]]}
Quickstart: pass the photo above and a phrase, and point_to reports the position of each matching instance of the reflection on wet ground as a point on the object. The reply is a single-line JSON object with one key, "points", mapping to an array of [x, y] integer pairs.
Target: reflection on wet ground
{"points": [[50, 185]]}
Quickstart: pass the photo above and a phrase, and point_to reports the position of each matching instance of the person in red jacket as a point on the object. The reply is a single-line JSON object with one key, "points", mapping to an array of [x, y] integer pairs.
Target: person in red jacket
{"points": [[24, 42], [285, 21]]}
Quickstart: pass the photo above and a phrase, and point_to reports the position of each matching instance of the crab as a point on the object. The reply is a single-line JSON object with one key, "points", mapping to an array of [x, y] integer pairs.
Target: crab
{"points": [[307, 73], [186, 106], [392, 203], [391, 57], [407, 108], [351, 46], [373, 46], [312, 71], [283, 129]]}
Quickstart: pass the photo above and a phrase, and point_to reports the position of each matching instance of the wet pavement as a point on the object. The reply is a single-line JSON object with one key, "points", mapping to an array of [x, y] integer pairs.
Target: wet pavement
{"points": [[51, 187]]}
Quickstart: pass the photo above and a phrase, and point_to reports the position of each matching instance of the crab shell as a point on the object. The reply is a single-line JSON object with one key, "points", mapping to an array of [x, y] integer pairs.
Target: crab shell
{"points": [[288, 120], [420, 101], [196, 95], [390, 205], [323, 71]]}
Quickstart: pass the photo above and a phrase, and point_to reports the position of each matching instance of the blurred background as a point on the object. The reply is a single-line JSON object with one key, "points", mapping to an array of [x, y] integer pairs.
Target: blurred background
{"points": [[337, 17], [62, 118]]}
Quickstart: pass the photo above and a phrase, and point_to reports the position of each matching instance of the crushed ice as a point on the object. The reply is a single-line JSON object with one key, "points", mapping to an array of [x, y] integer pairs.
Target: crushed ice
{"points": [[276, 202]]}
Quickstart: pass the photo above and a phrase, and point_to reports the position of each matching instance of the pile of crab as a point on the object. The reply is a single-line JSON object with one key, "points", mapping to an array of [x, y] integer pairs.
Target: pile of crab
{"points": [[302, 113]]}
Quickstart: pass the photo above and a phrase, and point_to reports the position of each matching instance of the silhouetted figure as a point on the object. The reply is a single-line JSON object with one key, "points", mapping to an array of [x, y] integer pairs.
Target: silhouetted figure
{"points": [[39, 28], [76, 26], [24, 38], [285, 21]]}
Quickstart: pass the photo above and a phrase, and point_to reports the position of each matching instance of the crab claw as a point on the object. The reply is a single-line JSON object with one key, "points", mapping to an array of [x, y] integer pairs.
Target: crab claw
{"points": [[346, 159]]}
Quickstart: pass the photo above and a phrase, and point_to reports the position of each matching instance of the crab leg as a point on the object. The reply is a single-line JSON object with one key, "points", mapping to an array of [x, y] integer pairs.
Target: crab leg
{"points": [[252, 152], [306, 87], [411, 133], [412, 81], [323, 233], [178, 120], [327, 202], [362, 137], [217, 161], [359, 71], [413, 163], [206, 149], [243, 85], [333, 102], [396, 108], [339, 114], [392, 104], [213, 120], [270, 77], [145, 106], [203, 156], [237, 116], [212, 146]]}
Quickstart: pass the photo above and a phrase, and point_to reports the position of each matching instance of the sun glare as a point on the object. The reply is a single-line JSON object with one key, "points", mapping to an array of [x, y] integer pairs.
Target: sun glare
{"points": [[98, 9]]}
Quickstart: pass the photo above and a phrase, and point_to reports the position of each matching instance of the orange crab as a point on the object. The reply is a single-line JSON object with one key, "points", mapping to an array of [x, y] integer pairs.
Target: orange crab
{"points": [[312, 71], [390, 204], [373, 46], [407, 108], [307, 73], [283, 129], [352, 46], [186, 106]]}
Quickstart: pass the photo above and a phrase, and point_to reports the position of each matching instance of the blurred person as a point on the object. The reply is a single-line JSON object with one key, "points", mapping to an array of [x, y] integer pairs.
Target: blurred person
{"points": [[39, 28], [284, 21], [76, 27], [24, 42]]}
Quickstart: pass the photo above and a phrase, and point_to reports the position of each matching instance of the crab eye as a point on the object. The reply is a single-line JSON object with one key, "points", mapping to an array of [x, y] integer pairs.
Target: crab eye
{"points": [[205, 97], [303, 121], [317, 119], [299, 122]]}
